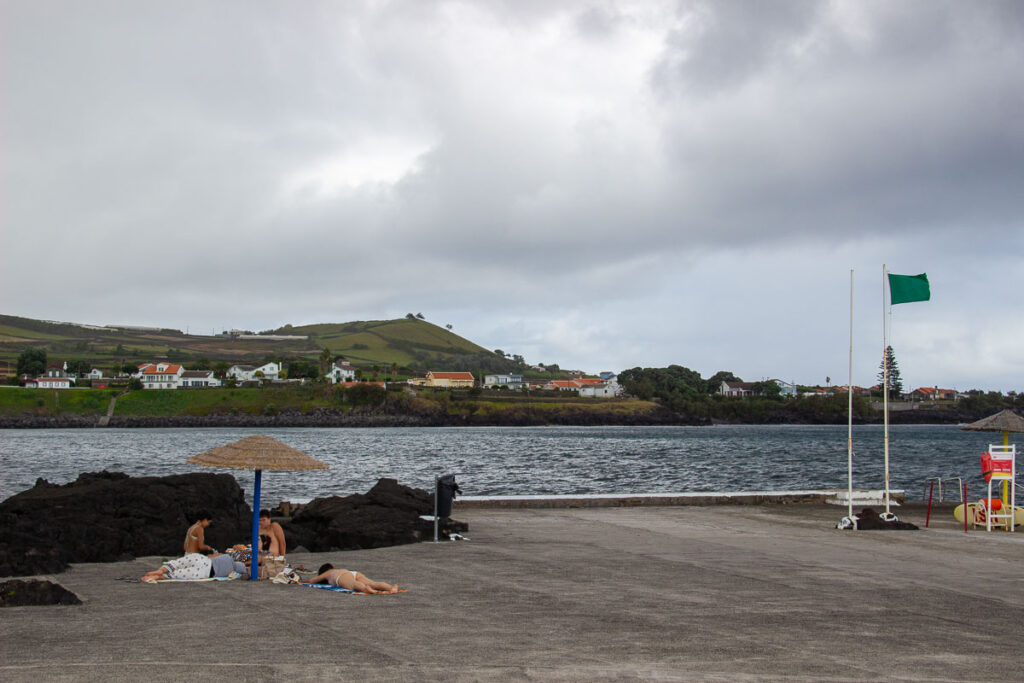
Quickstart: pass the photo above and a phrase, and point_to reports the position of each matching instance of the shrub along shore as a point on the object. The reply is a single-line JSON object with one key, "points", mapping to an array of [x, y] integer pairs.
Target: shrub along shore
{"points": [[321, 405]]}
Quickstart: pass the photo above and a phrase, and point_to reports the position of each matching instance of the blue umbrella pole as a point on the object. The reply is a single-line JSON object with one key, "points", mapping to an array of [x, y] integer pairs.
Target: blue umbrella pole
{"points": [[254, 556]]}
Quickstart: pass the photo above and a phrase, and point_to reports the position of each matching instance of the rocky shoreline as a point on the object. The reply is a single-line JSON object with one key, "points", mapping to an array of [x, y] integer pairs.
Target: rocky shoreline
{"points": [[523, 418], [111, 517], [327, 418]]}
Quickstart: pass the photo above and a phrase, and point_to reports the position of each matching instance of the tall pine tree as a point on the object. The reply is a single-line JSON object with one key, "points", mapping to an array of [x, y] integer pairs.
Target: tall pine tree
{"points": [[895, 383]]}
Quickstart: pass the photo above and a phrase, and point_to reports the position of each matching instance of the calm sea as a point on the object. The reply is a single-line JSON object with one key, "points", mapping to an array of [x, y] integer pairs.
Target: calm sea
{"points": [[522, 460]]}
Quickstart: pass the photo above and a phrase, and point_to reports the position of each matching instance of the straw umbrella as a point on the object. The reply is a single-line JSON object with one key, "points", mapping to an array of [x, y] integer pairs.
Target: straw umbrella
{"points": [[257, 453], [1004, 421]]}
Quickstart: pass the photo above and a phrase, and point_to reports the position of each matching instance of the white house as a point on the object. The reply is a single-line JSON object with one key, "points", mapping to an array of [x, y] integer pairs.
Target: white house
{"points": [[605, 390], [52, 383], [736, 389], [247, 373], [95, 373], [341, 372], [269, 370], [57, 370], [161, 375], [786, 388], [191, 379], [498, 381], [240, 372]]}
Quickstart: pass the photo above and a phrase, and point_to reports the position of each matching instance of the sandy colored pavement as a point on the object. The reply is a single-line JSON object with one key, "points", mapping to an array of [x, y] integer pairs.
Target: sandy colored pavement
{"points": [[727, 593]]}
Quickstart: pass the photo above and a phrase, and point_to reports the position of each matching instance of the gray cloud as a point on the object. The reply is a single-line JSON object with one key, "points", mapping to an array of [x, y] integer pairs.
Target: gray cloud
{"points": [[601, 184]]}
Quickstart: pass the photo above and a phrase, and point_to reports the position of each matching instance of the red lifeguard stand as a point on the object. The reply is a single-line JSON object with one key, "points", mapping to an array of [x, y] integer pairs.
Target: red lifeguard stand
{"points": [[1000, 465]]}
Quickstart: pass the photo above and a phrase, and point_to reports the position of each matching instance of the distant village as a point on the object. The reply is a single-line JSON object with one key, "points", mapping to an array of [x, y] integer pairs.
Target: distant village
{"points": [[605, 385], [790, 390], [175, 376]]}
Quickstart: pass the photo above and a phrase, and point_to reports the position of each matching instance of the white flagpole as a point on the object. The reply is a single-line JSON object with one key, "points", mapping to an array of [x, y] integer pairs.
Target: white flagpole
{"points": [[849, 427], [885, 387]]}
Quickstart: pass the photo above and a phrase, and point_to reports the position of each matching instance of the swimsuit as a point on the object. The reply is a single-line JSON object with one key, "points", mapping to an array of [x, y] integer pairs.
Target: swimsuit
{"points": [[355, 576], [190, 535]]}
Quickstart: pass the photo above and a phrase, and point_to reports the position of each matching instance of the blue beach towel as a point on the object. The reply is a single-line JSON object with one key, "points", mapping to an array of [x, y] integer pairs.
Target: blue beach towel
{"points": [[324, 586]]}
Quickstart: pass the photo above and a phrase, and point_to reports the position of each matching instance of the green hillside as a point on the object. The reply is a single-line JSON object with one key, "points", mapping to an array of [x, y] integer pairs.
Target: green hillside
{"points": [[408, 342], [412, 344]]}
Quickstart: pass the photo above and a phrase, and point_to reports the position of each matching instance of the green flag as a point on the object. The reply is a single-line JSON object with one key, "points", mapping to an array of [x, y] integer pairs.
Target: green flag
{"points": [[904, 289]]}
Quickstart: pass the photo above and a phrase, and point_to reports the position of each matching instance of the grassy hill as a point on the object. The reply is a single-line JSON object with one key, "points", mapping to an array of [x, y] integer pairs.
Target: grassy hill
{"points": [[405, 341], [412, 344]]}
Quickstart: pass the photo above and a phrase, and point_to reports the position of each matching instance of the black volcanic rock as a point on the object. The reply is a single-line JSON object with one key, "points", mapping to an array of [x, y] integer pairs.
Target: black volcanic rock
{"points": [[109, 516], [18, 593], [389, 514], [869, 519]]}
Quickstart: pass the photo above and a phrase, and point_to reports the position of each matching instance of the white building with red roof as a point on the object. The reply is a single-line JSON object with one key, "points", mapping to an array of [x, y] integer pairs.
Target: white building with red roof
{"points": [[160, 375]]}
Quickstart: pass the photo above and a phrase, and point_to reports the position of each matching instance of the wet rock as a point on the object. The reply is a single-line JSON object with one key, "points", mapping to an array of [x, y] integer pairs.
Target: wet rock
{"points": [[388, 514], [19, 593], [109, 516]]}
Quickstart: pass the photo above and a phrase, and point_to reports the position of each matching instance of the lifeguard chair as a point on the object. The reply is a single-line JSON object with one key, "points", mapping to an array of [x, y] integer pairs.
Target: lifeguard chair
{"points": [[1000, 465]]}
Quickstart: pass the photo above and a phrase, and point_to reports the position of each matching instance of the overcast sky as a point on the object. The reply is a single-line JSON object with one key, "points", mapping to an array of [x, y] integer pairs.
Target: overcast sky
{"points": [[598, 184]]}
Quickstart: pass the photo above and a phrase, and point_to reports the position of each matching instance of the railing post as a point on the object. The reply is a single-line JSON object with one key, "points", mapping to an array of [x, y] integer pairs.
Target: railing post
{"points": [[965, 507], [928, 515]]}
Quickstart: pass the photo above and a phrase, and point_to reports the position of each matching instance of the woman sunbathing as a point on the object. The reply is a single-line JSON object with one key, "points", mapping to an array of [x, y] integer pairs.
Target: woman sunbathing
{"points": [[351, 580], [195, 566]]}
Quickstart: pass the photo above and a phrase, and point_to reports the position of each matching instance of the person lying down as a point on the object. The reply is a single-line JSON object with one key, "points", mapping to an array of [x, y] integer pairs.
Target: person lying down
{"points": [[195, 566], [351, 580]]}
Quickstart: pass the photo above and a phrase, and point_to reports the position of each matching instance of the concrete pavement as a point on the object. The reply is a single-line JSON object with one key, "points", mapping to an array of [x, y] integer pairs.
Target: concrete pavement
{"points": [[766, 592]]}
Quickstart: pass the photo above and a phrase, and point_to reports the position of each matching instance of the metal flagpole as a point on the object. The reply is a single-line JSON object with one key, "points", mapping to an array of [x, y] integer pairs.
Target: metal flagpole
{"points": [[885, 388], [849, 428]]}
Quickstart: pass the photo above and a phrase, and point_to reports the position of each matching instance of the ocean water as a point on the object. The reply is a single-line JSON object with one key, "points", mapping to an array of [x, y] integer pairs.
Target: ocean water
{"points": [[522, 460]]}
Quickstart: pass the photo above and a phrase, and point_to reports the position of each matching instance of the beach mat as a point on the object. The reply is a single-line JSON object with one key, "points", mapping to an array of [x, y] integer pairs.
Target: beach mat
{"points": [[209, 578], [337, 589]]}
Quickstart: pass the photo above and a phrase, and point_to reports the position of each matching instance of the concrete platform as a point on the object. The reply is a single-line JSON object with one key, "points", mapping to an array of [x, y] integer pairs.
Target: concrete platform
{"points": [[735, 593]]}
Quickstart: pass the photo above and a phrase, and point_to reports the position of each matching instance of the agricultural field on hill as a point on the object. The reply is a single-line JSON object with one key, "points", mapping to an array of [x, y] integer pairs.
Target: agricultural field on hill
{"points": [[409, 343]]}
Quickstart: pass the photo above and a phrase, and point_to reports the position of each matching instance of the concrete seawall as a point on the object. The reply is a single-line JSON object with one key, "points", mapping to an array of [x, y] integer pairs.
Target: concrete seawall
{"points": [[833, 496]]}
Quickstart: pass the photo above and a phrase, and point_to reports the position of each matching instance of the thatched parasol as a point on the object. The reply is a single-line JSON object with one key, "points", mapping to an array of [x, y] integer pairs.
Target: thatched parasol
{"points": [[257, 453], [1004, 421]]}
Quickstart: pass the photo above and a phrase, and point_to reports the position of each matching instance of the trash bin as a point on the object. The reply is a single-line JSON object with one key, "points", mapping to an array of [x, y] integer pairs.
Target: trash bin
{"points": [[446, 490]]}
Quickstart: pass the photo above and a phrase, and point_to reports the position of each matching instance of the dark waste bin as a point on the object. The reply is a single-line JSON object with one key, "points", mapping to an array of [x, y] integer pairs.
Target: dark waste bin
{"points": [[446, 490]]}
